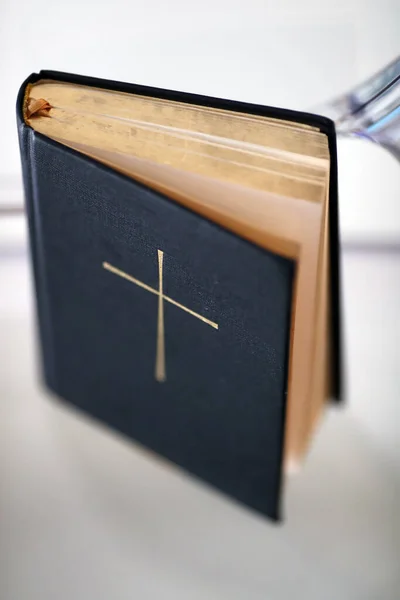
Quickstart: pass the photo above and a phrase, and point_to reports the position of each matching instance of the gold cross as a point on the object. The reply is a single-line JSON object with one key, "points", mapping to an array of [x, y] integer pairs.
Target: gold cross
{"points": [[160, 369]]}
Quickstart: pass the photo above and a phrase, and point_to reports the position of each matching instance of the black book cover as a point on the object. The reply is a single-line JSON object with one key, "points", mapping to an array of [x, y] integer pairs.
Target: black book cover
{"points": [[156, 321]]}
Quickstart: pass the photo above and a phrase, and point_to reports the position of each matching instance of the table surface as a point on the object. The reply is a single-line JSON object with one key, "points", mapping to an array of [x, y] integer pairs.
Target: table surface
{"points": [[86, 514]]}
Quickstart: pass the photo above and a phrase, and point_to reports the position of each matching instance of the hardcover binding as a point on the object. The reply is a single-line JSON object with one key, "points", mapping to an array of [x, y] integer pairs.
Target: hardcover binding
{"points": [[252, 476], [26, 136]]}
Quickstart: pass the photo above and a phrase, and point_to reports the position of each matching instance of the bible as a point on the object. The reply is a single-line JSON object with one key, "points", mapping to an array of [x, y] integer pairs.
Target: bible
{"points": [[185, 258]]}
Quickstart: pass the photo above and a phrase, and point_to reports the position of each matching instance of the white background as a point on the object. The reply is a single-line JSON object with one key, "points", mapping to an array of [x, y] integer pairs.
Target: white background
{"points": [[84, 514], [293, 54]]}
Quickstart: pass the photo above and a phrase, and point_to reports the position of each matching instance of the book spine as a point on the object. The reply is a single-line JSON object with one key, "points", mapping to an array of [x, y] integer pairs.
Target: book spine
{"points": [[33, 211], [338, 384]]}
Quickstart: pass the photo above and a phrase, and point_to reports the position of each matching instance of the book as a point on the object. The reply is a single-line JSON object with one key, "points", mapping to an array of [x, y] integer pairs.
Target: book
{"points": [[185, 257]]}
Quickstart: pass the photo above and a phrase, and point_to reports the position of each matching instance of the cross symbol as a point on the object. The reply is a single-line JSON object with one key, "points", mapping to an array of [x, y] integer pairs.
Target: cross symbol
{"points": [[160, 369]]}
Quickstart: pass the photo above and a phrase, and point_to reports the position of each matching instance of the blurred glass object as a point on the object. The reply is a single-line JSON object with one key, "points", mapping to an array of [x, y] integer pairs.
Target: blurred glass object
{"points": [[371, 110]]}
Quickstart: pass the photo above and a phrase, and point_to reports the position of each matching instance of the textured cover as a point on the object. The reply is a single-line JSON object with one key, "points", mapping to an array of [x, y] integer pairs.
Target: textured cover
{"points": [[220, 412]]}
